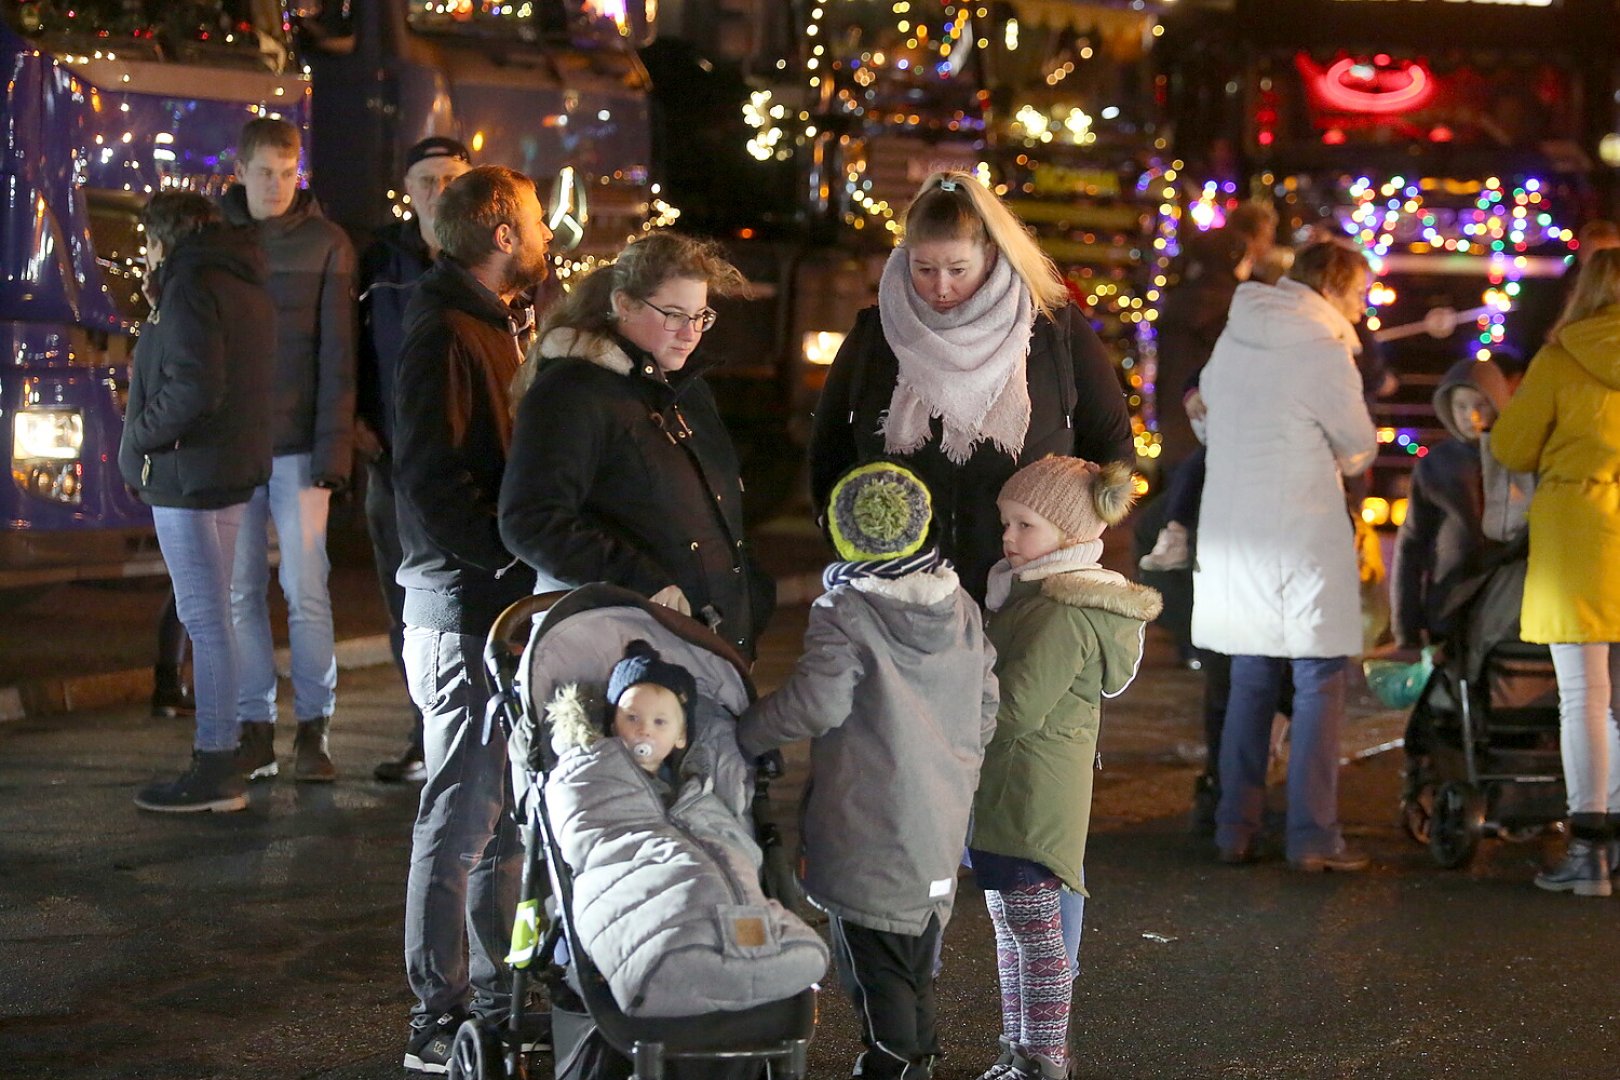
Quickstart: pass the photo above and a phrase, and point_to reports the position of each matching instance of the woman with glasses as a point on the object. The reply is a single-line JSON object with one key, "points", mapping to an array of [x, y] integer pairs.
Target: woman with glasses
{"points": [[620, 468], [973, 364]]}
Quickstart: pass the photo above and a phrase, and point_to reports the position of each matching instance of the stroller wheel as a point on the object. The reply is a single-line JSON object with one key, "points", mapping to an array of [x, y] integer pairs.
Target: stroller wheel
{"points": [[1458, 821], [476, 1054]]}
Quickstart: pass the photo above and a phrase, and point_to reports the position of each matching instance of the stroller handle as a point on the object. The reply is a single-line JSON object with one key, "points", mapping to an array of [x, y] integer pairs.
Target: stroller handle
{"points": [[510, 632]]}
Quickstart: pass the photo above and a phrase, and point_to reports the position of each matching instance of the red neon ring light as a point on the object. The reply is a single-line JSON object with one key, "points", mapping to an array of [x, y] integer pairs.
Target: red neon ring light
{"points": [[1330, 84]]}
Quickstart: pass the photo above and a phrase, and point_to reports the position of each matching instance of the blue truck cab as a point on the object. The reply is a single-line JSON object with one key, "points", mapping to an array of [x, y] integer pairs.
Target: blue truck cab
{"points": [[107, 101], [95, 117]]}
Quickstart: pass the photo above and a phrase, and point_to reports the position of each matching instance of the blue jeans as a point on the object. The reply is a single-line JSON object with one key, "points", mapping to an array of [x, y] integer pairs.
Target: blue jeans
{"points": [[199, 547], [1313, 753], [299, 509], [466, 860]]}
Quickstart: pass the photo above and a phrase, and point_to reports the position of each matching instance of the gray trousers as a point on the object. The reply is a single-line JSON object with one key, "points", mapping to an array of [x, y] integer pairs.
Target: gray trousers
{"points": [[465, 851]]}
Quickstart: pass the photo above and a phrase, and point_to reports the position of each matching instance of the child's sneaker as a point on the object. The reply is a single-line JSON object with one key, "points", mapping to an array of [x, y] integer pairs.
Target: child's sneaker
{"points": [[1584, 871], [1010, 1065], [428, 1048], [1040, 1067], [1171, 551]]}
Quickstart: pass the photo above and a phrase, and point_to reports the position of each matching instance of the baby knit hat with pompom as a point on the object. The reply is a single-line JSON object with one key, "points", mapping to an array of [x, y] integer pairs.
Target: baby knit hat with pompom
{"points": [[1079, 497], [881, 510]]}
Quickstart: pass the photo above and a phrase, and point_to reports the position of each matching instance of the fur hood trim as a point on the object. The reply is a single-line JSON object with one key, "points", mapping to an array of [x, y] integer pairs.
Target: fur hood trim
{"points": [[1105, 591], [574, 714], [924, 588], [604, 352]]}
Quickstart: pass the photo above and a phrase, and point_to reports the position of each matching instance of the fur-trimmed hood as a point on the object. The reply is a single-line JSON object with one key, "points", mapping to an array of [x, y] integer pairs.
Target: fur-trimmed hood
{"points": [[924, 588], [599, 349], [1105, 591], [563, 342], [575, 718]]}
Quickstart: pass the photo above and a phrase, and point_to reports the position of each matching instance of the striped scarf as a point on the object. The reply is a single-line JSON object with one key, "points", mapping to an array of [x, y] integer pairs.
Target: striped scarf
{"points": [[841, 573]]}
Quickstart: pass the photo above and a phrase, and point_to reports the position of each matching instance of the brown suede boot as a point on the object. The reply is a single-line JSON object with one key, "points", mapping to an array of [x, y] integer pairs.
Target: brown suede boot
{"points": [[256, 756], [312, 762]]}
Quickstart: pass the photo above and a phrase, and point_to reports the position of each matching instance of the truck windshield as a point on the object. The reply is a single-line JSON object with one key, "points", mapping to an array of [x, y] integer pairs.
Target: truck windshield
{"points": [[582, 23], [120, 249], [220, 33]]}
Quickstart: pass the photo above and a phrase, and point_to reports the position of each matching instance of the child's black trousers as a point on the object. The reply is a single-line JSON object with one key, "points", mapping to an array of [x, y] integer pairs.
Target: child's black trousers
{"points": [[890, 977]]}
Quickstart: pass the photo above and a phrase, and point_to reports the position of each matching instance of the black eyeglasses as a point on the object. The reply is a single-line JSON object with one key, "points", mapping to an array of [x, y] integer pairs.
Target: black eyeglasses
{"points": [[675, 320]]}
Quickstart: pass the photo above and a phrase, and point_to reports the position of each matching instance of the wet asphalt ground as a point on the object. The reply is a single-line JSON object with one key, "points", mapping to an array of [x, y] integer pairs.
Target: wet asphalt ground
{"points": [[267, 944]]}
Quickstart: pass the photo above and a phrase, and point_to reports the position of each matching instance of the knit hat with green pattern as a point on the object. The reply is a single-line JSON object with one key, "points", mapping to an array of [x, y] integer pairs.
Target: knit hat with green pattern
{"points": [[879, 511]]}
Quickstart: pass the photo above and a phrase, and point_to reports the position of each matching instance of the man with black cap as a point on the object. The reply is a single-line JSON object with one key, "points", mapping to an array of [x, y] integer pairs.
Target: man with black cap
{"points": [[399, 255]]}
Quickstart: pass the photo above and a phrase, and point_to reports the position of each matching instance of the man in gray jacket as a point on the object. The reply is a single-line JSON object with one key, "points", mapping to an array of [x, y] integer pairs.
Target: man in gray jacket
{"points": [[312, 417]]}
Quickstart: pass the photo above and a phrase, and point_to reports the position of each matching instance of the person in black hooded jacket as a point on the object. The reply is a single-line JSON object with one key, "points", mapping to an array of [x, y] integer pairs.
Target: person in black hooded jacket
{"points": [[622, 469], [196, 445], [972, 365]]}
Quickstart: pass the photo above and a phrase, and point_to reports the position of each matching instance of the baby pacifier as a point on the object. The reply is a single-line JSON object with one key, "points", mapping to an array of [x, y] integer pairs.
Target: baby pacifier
{"points": [[642, 750]]}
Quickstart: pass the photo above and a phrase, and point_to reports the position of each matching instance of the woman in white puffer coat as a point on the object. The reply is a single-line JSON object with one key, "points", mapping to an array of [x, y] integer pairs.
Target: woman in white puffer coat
{"points": [[1276, 582]]}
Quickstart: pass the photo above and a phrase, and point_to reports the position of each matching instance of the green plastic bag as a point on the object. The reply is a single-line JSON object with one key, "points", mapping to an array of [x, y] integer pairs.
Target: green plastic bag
{"points": [[1396, 683]]}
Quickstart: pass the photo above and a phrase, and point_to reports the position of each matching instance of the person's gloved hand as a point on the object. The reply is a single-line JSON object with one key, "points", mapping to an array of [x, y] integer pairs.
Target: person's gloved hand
{"points": [[671, 597]]}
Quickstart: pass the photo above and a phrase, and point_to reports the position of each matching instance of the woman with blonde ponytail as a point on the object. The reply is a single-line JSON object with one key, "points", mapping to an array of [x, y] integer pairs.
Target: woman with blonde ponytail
{"points": [[973, 363]]}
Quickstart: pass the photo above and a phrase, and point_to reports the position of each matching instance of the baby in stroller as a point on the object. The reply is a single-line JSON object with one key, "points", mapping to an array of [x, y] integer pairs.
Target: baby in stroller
{"points": [[649, 801]]}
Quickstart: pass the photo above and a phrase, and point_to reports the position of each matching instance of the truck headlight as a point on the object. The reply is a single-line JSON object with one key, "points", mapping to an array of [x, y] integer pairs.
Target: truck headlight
{"points": [[45, 448], [48, 434]]}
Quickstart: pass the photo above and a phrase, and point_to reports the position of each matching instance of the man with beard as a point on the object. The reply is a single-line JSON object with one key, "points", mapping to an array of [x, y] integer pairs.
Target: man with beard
{"points": [[452, 428]]}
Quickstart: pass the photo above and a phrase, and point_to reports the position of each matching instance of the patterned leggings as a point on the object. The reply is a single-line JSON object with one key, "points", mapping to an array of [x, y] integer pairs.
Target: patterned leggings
{"points": [[1034, 968]]}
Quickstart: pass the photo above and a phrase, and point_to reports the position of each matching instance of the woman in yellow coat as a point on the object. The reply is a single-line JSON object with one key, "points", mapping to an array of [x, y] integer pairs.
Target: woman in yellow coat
{"points": [[1564, 425]]}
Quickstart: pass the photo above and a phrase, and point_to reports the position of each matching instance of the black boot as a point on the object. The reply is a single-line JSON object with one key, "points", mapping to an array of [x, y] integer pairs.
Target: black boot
{"points": [[1206, 796], [312, 762], [1585, 869], [211, 783], [171, 697]]}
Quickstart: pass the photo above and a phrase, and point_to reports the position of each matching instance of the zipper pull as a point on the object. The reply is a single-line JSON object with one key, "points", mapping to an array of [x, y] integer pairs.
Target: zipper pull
{"points": [[146, 469]]}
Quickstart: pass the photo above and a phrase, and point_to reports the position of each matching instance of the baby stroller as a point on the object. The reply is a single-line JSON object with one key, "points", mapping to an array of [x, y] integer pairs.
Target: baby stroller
{"points": [[1482, 741], [580, 636]]}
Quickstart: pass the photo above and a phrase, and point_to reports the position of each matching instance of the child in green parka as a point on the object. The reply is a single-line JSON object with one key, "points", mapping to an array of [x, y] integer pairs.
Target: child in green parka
{"points": [[1067, 633]]}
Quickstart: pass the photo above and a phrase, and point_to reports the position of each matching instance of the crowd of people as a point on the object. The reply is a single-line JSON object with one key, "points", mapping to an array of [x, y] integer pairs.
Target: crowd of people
{"points": [[969, 450]]}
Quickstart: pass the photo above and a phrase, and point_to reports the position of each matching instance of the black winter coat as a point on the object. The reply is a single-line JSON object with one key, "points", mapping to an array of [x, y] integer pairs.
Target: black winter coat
{"points": [[452, 427], [1440, 543], [620, 475], [1193, 317], [1076, 408], [197, 425], [312, 281], [389, 271]]}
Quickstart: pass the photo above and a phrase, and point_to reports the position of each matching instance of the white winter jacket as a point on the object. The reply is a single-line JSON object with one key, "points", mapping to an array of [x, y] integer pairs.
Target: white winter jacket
{"points": [[1276, 569]]}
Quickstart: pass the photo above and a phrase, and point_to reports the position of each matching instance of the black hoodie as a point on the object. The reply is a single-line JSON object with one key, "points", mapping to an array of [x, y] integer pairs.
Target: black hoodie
{"points": [[452, 428], [197, 428]]}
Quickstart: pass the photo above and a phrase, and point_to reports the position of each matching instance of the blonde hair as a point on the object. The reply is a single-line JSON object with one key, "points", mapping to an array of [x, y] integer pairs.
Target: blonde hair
{"points": [[955, 206], [1596, 287]]}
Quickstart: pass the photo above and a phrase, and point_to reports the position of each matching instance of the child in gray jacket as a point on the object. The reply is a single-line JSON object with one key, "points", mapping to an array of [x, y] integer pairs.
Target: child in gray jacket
{"points": [[897, 690]]}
